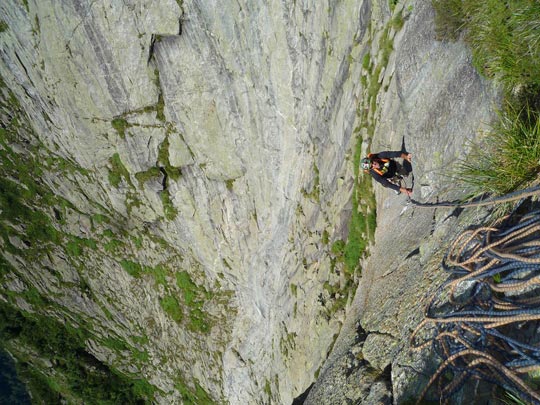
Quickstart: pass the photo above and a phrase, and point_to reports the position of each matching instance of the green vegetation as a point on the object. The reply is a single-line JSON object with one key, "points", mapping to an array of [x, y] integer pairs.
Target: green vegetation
{"points": [[118, 171], [163, 159], [159, 273], [134, 269], [3, 26], [194, 297], [168, 207], [363, 217], [509, 159], [120, 125], [503, 35], [505, 41], [76, 245], [78, 376], [294, 290], [160, 105], [151, 173], [193, 397], [171, 306], [315, 192]]}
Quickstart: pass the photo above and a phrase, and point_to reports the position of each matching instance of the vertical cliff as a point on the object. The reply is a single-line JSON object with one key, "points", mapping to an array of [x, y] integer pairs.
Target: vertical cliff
{"points": [[173, 176], [435, 104]]}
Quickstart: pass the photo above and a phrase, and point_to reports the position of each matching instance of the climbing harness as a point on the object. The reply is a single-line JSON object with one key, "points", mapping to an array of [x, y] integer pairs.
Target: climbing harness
{"points": [[494, 283]]}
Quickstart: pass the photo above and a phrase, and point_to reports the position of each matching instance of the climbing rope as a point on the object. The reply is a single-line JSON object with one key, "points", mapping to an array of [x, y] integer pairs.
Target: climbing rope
{"points": [[516, 195], [480, 318]]}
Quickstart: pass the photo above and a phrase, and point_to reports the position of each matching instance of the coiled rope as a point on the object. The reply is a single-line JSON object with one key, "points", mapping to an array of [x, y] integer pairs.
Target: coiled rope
{"points": [[493, 292]]}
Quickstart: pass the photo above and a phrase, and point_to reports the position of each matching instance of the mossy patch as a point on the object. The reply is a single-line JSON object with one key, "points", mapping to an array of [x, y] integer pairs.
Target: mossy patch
{"points": [[133, 269], [76, 376], [118, 171], [163, 159], [120, 125], [168, 207], [194, 396], [152, 173], [171, 306], [194, 298]]}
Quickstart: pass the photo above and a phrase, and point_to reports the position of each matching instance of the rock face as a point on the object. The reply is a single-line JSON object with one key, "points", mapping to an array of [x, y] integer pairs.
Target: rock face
{"points": [[185, 161], [185, 158], [435, 104]]}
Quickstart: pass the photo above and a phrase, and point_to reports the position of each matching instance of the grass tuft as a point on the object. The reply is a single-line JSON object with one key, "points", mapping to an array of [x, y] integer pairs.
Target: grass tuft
{"points": [[508, 159], [504, 37]]}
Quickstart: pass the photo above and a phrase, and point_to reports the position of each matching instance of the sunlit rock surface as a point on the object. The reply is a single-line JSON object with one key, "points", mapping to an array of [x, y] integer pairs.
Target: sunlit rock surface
{"points": [[201, 158]]}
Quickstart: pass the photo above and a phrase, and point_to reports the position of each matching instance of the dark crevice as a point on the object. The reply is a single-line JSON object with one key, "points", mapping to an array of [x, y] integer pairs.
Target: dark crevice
{"points": [[455, 213], [299, 400], [413, 253], [164, 181], [151, 50]]}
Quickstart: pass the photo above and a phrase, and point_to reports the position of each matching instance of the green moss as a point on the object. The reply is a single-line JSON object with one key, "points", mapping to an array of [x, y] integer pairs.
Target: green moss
{"points": [[338, 247], [38, 228], [142, 340], [171, 306], [168, 208], [118, 171], [163, 159], [73, 249], [188, 287], [33, 297], [115, 344], [198, 321], [138, 241], [76, 376], [100, 219], [75, 246], [398, 21], [3, 26], [159, 273], [294, 289], [230, 184], [315, 192], [108, 233], [114, 245], [194, 298], [325, 237], [197, 396], [151, 173], [268, 389], [141, 357], [134, 269], [143, 389], [120, 125]]}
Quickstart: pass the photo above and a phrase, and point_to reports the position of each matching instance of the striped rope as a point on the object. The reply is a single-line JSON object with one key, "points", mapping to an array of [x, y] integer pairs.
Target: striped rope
{"points": [[472, 322], [514, 196]]}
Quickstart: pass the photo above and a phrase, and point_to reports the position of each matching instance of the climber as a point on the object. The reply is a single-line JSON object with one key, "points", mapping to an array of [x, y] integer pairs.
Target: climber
{"points": [[384, 169]]}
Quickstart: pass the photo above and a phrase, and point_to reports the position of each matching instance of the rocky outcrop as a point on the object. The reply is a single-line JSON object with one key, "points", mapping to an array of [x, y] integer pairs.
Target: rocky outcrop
{"points": [[174, 176], [185, 159], [435, 104]]}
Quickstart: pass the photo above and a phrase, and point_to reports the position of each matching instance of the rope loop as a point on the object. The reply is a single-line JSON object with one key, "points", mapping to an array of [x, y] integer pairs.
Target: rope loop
{"points": [[482, 322]]}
